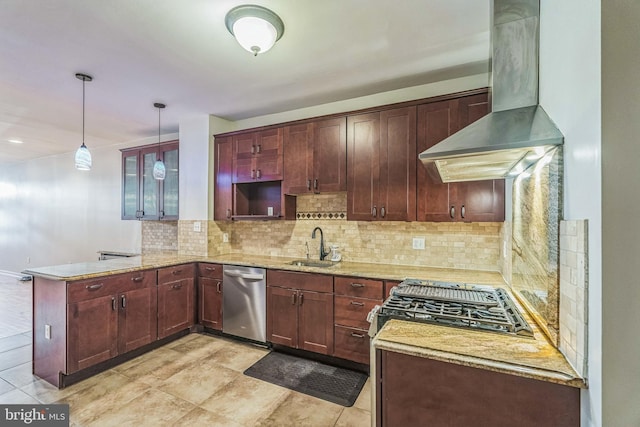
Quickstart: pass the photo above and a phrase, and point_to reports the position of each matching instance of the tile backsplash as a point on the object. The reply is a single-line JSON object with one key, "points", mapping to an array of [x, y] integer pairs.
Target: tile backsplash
{"points": [[159, 236], [573, 293], [449, 245]]}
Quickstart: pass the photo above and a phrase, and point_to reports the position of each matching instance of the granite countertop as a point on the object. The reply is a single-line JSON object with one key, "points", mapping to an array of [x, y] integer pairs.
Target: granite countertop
{"points": [[528, 357], [88, 270], [534, 358]]}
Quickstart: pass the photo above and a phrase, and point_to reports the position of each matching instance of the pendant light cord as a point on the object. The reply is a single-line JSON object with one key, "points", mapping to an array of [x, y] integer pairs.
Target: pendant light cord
{"points": [[83, 82], [159, 133]]}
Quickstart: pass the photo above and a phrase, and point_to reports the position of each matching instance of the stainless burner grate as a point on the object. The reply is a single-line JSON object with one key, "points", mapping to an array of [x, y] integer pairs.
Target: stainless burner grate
{"points": [[469, 296]]}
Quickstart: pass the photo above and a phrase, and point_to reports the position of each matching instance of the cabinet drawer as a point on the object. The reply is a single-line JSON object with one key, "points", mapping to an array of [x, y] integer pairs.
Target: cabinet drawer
{"points": [[388, 285], [110, 285], [299, 280], [212, 271], [177, 272], [350, 311], [357, 287], [352, 344]]}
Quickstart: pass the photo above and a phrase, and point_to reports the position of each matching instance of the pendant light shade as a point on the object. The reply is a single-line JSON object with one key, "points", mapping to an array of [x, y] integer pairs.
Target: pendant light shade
{"points": [[159, 170], [83, 156], [256, 28]]}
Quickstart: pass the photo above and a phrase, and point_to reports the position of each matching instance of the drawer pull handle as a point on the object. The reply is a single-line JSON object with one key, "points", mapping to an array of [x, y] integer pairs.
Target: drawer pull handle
{"points": [[137, 279], [357, 285], [293, 299], [359, 304], [210, 268], [353, 334], [123, 302], [176, 272], [177, 286], [113, 304], [301, 297], [218, 287], [95, 287]]}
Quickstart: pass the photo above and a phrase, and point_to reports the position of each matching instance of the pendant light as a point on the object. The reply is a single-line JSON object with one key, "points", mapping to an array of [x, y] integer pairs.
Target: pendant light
{"points": [[159, 171], [256, 28], [83, 156]]}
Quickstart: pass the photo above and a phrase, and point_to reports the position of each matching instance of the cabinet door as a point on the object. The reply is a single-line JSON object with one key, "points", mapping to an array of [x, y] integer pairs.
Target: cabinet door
{"points": [[268, 157], [223, 169], [282, 322], [92, 329], [363, 143], [149, 186], [330, 155], [169, 185], [137, 324], [130, 185], [210, 302], [436, 121], [243, 157], [298, 159], [315, 322], [397, 163], [175, 306]]}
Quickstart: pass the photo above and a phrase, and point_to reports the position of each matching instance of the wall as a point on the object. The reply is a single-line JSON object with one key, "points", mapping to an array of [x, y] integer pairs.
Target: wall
{"points": [[51, 213], [620, 211], [570, 93]]}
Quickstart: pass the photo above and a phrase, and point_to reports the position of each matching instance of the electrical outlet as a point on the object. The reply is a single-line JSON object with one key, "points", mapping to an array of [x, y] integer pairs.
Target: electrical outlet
{"points": [[418, 243], [197, 226], [47, 331], [225, 237]]}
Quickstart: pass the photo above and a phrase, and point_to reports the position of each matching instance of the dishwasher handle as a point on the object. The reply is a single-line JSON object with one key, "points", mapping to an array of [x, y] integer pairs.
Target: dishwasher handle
{"points": [[250, 276]]}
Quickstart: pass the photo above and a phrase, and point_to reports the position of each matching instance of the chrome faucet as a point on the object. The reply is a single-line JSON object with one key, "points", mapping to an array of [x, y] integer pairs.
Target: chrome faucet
{"points": [[323, 254]]}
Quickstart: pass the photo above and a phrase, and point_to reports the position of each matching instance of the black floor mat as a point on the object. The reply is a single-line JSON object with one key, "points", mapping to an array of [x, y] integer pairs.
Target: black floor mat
{"points": [[337, 385]]}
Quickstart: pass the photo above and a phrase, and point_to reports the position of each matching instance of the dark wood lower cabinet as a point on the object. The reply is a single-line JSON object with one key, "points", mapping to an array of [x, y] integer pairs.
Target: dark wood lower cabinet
{"points": [[416, 391], [300, 310], [175, 306]]}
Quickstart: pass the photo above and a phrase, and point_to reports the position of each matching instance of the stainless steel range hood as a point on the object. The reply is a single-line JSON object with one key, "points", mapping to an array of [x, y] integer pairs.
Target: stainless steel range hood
{"points": [[517, 132]]}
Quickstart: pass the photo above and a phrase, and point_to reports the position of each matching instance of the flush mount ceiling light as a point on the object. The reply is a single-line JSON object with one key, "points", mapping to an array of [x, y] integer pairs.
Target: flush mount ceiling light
{"points": [[159, 171], [256, 28], [83, 156]]}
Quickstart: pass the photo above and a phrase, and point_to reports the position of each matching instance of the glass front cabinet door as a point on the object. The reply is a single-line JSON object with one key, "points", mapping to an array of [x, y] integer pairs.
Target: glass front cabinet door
{"points": [[144, 197]]}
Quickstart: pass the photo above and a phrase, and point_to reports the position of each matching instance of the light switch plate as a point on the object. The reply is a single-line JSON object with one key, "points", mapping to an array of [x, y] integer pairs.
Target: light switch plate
{"points": [[418, 243], [225, 237], [197, 226], [47, 331]]}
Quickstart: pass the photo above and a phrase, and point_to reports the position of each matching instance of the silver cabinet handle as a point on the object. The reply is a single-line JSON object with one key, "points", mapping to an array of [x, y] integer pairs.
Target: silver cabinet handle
{"points": [[177, 286], [218, 287], [382, 212], [374, 211], [94, 287], [251, 276], [359, 304], [353, 334], [253, 149], [300, 299], [308, 185], [253, 174], [315, 184], [357, 285], [113, 303], [452, 212], [258, 148], [123, 302], [462, 211], [259, 174], [137, 279], [293, 299], [228, 213], [176, 272]]}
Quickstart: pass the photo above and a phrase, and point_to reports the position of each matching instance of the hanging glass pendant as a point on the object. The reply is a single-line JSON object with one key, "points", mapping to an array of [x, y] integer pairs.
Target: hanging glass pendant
{"points": [[159, 171], [83, 158]]}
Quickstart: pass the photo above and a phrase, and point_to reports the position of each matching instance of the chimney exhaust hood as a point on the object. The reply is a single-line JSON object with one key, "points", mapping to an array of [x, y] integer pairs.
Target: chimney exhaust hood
{"points": [[518, 132]]}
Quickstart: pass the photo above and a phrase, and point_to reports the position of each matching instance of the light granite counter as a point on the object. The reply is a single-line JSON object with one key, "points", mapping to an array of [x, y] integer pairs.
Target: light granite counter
{"points": [[88, 270], [527, 357]]}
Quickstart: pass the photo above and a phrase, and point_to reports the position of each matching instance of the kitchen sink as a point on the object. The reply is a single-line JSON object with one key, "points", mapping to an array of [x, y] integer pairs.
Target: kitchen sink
{"points": [[311, 263]]}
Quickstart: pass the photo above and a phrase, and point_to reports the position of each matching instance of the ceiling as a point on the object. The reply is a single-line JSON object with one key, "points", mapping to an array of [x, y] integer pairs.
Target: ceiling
{"points": [[180, 53]]}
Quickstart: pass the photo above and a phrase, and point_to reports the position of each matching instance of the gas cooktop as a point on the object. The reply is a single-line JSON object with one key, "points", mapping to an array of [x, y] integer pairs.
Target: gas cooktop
{"points": [[454, 304]]}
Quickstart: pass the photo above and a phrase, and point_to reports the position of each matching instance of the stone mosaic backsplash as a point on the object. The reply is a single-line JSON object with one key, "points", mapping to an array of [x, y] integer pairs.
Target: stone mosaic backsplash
{"points": [[159, 236], [574, 281]]}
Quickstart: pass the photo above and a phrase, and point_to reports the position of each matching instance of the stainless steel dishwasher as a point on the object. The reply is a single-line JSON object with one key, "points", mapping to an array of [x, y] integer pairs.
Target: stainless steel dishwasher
{"points": [[244, 302]]}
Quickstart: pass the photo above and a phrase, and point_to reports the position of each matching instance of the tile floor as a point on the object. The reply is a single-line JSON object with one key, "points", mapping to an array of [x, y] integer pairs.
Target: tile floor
{"points": [[194, 381]]}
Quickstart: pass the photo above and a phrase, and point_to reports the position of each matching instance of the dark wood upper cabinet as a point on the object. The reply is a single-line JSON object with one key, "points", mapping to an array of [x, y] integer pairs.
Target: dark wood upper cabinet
{"points": [[315, 157], [144, 197], [381, 155], [257, 156], [223, 170], [472, 201]]}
